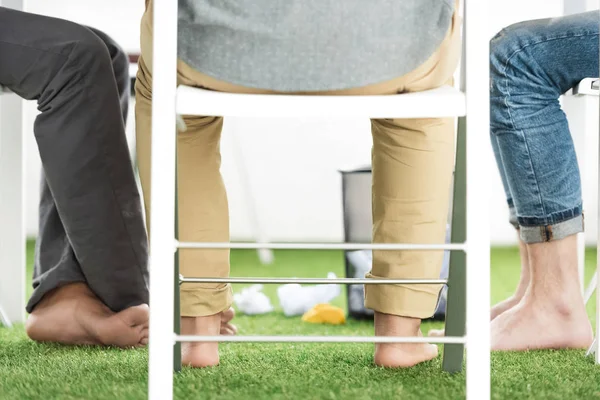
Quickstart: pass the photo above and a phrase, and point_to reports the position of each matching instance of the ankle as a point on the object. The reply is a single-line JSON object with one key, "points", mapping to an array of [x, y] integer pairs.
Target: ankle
{"points": [[396, 325], [564, 304], [201, 325]]}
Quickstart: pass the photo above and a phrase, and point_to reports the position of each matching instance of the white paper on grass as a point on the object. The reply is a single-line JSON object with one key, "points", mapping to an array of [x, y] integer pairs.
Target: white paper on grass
{"points": [[296, 299], [252, 301]]}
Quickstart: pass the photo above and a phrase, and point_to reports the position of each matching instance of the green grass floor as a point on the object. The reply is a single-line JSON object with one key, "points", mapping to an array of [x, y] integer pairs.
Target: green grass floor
{"points": [[292, 371]]}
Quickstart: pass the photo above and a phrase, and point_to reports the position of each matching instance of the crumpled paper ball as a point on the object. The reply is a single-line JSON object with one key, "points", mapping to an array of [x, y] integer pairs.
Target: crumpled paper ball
{"points": [[252, 301], [296, 299]]}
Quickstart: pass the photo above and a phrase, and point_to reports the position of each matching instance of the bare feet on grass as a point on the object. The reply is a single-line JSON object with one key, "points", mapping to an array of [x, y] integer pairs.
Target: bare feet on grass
{"points": [[205, 354], [74, 315], [551, 314], [533, 325], [401, 355]]}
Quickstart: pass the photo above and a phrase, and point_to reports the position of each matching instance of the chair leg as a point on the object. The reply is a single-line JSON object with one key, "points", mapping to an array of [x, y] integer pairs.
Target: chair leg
{"points": [[4, 318], [597, 339], [581, 260], [591, 288], [12, 210], [177, 320], [594, 349], [177, 313], [456, 305]]}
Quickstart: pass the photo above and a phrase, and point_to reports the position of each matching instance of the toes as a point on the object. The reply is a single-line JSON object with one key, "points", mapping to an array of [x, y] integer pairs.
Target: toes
{"points": [[228, 329], [31, 328], [227, 315], [233, 328], [144, 334], [433, 350], [436, 333]]}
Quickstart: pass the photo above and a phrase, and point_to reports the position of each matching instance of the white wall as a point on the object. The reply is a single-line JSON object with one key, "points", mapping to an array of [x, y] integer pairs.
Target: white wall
{"points": [[292, 163]]}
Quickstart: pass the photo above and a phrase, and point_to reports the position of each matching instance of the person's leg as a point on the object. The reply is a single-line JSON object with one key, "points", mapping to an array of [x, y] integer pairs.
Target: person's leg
{"points": [[203, 212], [120, 65], [532, 64], [525, 270], [434, 136], [412, 172], [413, 161], [81, 140], [53, 252]]}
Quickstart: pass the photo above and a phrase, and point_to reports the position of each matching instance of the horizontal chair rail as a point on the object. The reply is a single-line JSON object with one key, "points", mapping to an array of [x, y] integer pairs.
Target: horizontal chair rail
{"points": [[324, 246], [321, 339], [316, 281]]}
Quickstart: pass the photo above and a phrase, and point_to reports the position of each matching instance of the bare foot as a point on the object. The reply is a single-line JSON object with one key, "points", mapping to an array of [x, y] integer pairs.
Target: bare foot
{"points": [[227, 328], [74, 315], [205, 354], [505, 305], [400, 355], [436, 333], [528, 326]]}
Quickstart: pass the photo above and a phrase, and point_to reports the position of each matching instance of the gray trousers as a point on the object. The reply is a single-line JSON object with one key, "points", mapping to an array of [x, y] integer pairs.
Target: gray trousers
{"points": [[91, 223]]}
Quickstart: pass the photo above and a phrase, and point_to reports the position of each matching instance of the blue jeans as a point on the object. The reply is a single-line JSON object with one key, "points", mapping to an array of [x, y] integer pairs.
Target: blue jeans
{"points": [[532, 64]]}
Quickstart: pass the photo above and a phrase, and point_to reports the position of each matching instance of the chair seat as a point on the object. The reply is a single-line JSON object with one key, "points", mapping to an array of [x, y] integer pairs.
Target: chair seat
{"points": [[445, 101]]}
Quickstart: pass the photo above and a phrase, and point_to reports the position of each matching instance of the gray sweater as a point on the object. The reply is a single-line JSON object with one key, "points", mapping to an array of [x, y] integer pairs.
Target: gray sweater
{"points": [[308, 45]]}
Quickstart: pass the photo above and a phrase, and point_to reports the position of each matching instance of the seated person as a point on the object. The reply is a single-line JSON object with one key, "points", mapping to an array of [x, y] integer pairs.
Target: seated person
{"points": [[532, 64], [91, 277], [318, 47]]}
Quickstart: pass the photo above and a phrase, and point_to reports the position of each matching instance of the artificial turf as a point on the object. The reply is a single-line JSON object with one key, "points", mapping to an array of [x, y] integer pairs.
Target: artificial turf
{"points": [[292, 371]]}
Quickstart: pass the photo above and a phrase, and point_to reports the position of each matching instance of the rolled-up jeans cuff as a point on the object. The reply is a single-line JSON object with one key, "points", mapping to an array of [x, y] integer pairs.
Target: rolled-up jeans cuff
{"points": [[203, 301], [414, 301], [547, 233]]}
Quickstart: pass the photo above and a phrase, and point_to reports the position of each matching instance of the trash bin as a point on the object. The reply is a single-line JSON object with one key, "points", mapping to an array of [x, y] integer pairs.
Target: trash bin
{"points": [[358, 221]]}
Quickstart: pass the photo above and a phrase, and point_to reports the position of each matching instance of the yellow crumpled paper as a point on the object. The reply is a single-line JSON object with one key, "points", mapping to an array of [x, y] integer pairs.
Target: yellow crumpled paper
{"points": [[325, 314]]}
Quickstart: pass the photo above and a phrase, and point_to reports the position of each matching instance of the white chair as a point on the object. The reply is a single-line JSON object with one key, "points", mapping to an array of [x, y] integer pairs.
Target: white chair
{"points": [[12, 216], [169, 101], [590, 87]]}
